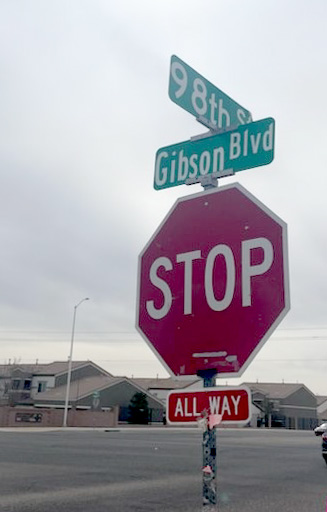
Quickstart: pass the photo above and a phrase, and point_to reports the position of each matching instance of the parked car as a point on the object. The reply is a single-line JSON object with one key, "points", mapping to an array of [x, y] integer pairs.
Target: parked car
{"points": [[324, 447], [321, 429]]}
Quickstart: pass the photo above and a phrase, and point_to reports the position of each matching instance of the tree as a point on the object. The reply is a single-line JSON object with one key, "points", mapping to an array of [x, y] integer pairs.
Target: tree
{"points": [[138, 409], [268, 409]]}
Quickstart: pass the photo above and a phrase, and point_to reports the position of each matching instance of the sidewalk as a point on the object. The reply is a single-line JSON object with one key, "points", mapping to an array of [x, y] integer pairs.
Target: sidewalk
{"points": [[119, 428]]}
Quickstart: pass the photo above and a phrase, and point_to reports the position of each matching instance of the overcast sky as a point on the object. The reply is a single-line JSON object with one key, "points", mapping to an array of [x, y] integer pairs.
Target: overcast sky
{"points": [[84, 108]]}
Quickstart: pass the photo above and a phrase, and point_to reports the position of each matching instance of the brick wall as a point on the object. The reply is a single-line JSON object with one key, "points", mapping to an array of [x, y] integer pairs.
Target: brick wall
{"points": [[38, 417]]}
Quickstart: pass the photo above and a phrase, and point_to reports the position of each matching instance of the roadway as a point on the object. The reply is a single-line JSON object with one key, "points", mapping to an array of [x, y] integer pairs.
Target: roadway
{"points": [[143, 470]]}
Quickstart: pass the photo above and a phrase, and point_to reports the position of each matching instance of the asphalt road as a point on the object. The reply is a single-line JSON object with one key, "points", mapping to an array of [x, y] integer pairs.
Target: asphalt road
{"points": [[159, 470]]}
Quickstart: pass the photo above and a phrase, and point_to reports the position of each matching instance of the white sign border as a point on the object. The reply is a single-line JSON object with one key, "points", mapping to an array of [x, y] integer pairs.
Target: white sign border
{"points": [[280, 317], [205, 390]]}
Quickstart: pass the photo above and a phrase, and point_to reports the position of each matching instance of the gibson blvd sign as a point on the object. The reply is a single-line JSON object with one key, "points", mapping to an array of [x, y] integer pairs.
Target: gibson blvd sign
{"points": [[213, 282], [233, 404], [210, 105], [251, 145]]}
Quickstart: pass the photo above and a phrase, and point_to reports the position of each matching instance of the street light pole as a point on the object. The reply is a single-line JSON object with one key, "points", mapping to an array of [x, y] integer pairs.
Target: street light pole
{"points": [[70, 361]]}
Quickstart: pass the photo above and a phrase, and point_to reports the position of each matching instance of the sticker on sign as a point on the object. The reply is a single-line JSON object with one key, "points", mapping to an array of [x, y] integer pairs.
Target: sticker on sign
{"points": [[233, 404]]}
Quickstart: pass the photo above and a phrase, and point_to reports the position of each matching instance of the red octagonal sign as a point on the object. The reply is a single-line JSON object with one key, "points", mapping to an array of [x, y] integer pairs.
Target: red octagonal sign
{"points": [[213, 282]]}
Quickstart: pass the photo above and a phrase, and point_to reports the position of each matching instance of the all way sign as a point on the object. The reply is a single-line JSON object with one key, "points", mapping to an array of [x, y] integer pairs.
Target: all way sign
{"points": [[250, 145], [232, 403]]}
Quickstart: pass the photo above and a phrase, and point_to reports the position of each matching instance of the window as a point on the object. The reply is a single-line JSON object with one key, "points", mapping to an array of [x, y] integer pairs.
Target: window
{"points": [[15, 384], [42, 386], [27, 384]]}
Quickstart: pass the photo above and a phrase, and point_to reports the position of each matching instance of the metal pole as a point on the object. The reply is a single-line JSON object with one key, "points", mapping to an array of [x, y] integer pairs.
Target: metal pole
{"points": [[70, 361], [209, 446]]}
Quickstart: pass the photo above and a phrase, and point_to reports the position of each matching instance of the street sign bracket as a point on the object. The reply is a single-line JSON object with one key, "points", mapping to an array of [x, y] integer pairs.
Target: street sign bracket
{"points": [[214, 129], [205, 122], [223, 174], [209, 377], [201, 136], [210, 180]]}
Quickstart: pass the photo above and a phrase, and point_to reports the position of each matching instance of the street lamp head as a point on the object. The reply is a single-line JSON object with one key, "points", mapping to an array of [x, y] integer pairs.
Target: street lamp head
{"points": [[80, 302]]}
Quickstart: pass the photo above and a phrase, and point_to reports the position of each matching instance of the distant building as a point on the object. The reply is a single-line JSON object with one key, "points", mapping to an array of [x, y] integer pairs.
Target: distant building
{"points": [[100, 392], [322, 408], [161, 387], [92, 388], [284, 405], [20, 384], [291, 406]]}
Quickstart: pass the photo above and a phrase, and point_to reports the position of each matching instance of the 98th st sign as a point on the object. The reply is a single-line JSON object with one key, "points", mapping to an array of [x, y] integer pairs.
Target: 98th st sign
{"points": [[213, 282], [202, 99]]}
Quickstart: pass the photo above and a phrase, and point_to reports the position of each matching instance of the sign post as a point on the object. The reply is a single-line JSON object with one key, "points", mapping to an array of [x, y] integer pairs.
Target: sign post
{"points": [[213, 279], [209, 449], [212, 287], [208, 408]]}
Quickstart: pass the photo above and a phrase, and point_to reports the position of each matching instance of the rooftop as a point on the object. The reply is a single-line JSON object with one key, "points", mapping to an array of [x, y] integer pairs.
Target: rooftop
{"points": [[78, 388], [321, 399], [53, 368], [275, 389], [167, 383]]}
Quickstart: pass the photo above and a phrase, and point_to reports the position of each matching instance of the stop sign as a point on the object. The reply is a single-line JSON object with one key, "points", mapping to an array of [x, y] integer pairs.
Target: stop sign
{"points": [[213, 282]]}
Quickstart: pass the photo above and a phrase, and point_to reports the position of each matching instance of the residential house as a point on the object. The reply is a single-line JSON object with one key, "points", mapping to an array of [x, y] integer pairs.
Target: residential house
{"points": [[322, 408], [161, 387], [92, 388], [100, 392], [20, 384], [286, 405]]}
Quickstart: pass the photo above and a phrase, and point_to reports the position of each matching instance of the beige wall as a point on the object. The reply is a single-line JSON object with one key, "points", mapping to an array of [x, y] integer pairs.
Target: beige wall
{"points": [[19, 417]]}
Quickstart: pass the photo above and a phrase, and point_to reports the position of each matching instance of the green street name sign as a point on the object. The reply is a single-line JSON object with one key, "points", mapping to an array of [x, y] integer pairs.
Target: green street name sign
{"points": [[250, 145], [207, 103]]}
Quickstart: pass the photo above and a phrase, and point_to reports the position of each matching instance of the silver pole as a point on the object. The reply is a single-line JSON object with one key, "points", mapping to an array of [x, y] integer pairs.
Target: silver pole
{"points": [[70, 361]]}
